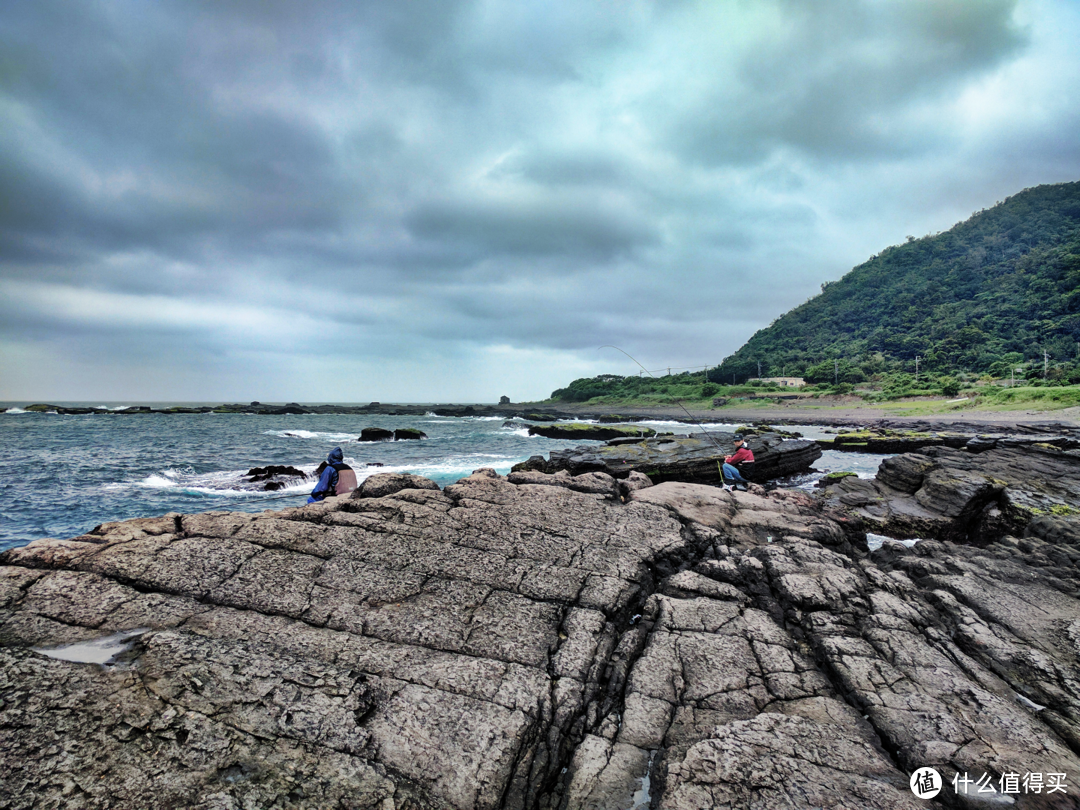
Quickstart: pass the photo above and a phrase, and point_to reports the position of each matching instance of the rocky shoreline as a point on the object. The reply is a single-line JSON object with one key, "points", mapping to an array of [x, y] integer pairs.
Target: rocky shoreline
{"points": [[540, 641], [693, 458]]}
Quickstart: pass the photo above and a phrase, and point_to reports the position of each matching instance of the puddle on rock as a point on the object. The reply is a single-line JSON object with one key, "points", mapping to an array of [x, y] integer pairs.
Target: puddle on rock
{"points": [[876, 541], [643, 797], [97, 651]]}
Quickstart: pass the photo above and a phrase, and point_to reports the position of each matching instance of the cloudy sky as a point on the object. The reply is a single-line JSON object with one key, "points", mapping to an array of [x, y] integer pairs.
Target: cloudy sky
{"points": [[432, 200]]}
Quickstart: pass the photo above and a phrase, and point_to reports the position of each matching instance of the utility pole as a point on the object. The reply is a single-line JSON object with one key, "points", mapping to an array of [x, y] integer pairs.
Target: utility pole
{"points": [[1046, 362], [916, 368], [835, 372], [759, 369]]}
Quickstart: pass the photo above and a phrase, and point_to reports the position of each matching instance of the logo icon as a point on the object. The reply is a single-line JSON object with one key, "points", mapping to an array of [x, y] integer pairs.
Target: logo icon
{"points": [[926, 783]]}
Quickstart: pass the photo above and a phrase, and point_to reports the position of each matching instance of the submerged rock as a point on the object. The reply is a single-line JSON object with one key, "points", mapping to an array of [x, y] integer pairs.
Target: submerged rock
{"points": [[532, 642]]}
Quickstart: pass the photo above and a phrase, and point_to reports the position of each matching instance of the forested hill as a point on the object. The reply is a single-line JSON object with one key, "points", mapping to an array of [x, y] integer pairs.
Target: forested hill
{"points": [[991, 293]]}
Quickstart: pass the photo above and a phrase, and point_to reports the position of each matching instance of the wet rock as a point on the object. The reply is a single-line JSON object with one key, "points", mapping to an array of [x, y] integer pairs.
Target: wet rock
{"points": [[692, 458], [582, 430], [405, 434], [274, 471], [374, 434], [540, 417]]}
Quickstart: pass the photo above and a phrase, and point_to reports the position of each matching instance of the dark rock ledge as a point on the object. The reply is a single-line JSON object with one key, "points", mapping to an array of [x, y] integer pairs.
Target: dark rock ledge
{"points": [[962, 496], [539, 644], [878, 439], [690, 458]]}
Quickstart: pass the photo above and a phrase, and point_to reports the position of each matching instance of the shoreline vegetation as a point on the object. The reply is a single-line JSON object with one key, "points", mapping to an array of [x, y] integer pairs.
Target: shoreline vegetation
{"points": [[965, 397]]}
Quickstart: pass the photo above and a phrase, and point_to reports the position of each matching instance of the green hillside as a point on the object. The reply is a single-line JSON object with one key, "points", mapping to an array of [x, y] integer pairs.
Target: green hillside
{"points": [[990, 295]]}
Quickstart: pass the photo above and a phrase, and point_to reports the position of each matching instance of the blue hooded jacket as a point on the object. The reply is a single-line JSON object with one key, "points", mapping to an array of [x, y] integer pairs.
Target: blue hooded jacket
{"points": [[329, 479]]}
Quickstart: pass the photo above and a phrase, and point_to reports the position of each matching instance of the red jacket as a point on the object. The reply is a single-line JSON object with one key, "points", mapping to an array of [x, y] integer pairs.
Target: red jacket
{"points": [[744, 453]]}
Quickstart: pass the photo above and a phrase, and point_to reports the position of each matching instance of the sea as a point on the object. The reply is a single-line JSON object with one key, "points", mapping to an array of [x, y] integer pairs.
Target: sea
{"points": [[62, 475]]}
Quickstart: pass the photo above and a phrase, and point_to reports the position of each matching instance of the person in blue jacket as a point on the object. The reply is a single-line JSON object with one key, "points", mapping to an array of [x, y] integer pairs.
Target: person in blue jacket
{"points": [[337, 478]]}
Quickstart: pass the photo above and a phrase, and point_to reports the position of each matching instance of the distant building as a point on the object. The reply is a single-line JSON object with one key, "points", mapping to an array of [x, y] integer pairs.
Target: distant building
{"points": [[792, 382]]}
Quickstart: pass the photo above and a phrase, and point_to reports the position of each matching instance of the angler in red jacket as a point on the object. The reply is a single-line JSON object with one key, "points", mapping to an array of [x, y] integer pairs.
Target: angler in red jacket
{"points": [[742, 456]]}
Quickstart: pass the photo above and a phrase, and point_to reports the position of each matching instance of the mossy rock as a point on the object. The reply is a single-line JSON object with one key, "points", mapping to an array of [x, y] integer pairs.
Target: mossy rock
{"points": [[540, 417], [831, 478], [581, 430]]}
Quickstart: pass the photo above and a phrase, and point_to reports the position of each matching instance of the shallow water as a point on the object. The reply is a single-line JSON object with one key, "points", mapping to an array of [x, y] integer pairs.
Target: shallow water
{"points": [[98, 651], [63, 475]]}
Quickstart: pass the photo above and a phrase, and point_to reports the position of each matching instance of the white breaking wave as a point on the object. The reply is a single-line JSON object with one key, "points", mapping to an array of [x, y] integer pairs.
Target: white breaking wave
{"points": [[296, 433], [516, 431], [225, 483], [14, 410], [153, 482], [459, 466], [670, 423]]}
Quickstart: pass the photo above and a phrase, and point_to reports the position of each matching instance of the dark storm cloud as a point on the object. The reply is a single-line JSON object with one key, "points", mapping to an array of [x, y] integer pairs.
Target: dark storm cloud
{"points": [[838, 80], [131, 145], [523, 230], [476, 184]]}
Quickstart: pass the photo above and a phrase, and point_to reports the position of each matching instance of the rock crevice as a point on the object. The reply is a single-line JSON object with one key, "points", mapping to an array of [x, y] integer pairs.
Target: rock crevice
{"points": [[537, 641]]}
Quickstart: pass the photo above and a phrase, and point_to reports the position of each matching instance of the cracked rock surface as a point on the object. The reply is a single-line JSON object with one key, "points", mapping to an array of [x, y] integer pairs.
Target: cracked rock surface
{"points": [[541, 641], [969, 497]]}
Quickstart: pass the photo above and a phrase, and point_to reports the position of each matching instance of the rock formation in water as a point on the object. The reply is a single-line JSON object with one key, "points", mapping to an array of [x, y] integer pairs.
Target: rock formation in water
{"points": [[691, 459], [276, 476], [536, 641], [374, 434], [587, 431]]}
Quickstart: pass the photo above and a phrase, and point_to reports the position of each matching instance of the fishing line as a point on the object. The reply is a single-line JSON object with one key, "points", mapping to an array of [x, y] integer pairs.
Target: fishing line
{"points": [[678, 401]]}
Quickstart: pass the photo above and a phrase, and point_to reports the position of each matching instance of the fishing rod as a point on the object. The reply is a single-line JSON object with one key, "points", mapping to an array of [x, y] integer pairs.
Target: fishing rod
{"points": [[678, 402]]}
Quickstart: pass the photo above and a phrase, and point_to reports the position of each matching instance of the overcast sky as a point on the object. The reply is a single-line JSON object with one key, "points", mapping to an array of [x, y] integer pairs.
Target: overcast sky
{"points": [[452, 201]]}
